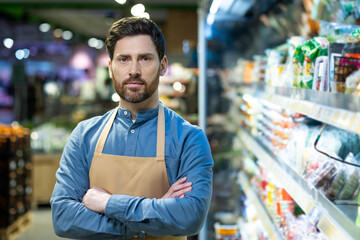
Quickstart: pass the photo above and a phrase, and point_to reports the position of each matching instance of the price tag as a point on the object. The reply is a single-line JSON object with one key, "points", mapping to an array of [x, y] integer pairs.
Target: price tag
{"points": [[288, 185], [310, 109], [335, 116], [308, 206], [325, 114], [329, 229], [294, 105], [314, 215], [357, 123], [303, 108], [315, 112], [345, 120]]}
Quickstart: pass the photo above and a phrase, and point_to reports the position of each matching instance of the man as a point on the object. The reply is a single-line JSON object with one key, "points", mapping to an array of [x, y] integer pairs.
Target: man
{"points": [[116, 170]]}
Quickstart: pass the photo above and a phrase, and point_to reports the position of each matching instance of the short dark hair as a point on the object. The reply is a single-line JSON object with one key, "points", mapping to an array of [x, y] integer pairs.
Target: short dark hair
{"points": [[133, 26]]}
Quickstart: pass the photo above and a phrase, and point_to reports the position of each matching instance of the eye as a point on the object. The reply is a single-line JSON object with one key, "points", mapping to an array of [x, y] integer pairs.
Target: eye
{"points": [[123, 59], [146, 58]]}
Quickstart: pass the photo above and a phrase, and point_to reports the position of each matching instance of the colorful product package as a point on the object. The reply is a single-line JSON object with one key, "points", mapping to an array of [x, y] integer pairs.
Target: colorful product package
{"points": [[305, 58]]}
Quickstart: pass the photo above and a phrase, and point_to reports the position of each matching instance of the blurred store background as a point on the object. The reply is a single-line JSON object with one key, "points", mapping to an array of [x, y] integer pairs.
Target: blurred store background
{"points": [[247, 66]]}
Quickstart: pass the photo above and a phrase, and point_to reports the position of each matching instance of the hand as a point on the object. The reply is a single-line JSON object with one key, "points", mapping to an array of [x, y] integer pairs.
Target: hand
{"points": [[178, 189], [96, 199]]}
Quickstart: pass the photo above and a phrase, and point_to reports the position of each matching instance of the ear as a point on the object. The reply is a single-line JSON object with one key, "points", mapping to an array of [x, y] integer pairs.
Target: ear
{"points": [[110, 69], [163, 65]]}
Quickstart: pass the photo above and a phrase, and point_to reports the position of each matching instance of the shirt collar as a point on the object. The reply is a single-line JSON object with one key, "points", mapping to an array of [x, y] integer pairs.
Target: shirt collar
{"points": [[142, 116]]}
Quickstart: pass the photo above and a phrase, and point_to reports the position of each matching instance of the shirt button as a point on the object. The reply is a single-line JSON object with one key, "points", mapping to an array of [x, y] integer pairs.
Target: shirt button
{"points": [[125, 113], [132, 131]]}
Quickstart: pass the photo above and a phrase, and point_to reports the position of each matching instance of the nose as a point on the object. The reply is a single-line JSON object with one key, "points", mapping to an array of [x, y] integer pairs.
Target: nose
{"points": [[134, 69]]}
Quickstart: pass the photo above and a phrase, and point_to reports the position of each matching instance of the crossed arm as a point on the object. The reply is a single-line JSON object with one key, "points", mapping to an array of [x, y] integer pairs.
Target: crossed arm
{"points": [[96, 198]]}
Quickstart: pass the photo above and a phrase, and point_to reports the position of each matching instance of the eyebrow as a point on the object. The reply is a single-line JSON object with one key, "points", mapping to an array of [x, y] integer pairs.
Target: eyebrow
{"points": [[141, 55]]}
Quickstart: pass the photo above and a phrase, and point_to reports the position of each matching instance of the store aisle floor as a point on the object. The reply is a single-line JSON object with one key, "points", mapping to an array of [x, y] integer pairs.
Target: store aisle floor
{"points": [[40, 227]]}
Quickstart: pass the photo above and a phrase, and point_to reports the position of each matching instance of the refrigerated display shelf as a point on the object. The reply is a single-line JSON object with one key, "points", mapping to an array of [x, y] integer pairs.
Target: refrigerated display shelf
{"points": [[332, 221], [271, 229], [337, 109]]}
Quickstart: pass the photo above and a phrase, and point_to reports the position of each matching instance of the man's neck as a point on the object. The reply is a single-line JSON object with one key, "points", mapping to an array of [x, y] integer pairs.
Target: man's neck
{"points": [[150, 103]]}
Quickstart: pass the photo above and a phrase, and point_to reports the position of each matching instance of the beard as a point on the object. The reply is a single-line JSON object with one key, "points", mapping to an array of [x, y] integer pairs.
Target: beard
{"points": [[136, 94]]}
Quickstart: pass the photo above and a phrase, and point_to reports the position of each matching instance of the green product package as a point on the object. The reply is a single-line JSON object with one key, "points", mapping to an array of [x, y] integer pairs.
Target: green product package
{"points": [[356, 33], [312, 49], [298, 61]]}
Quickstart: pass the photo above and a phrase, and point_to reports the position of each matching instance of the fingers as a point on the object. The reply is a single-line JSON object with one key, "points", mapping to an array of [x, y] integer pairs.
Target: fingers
{"points": [[179, 189], [180, 181], [184, 185], [181, 192]]}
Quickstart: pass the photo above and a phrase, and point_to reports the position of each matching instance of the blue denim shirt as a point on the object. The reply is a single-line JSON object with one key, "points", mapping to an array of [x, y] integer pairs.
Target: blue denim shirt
{"points": [[187, 153]]}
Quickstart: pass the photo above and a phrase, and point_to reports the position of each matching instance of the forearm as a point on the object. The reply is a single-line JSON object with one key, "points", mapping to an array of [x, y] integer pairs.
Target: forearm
{"points": [[72, 219], [159, 217]]}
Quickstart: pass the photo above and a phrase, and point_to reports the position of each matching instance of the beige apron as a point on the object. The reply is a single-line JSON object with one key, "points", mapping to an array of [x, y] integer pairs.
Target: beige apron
{"points": [[134, 176]]}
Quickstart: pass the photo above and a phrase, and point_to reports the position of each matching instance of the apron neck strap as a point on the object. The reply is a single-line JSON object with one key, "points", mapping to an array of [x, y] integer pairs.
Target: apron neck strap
{"points": [[101, 142], [160, 145]]}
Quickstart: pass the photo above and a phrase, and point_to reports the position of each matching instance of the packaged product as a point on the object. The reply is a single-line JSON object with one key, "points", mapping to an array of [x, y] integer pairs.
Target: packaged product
{"points": [[275, 64], [298, 61], [305, 57], [259, 68], [321, 79], [352, 82], [352, 181], [226, 231], [335, 50], [313, 162], [289, 74], [323, 175], [346, 64], [332, 188]]}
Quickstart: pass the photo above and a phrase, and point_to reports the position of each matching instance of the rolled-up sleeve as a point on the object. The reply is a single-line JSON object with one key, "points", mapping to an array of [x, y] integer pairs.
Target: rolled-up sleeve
{"points": [[172, 216]]}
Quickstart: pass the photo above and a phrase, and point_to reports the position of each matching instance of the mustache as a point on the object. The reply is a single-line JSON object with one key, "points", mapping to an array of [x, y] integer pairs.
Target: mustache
{"points": [[135, 79]]}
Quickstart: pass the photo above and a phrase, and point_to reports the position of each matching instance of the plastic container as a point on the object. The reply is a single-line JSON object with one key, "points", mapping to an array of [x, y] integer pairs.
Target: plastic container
{"points": [[226, 231]]}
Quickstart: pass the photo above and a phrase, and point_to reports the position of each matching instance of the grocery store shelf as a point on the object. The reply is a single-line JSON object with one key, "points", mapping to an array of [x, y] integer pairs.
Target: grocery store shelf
{"points": [[336, 109], [271, 229], [331, 220]]}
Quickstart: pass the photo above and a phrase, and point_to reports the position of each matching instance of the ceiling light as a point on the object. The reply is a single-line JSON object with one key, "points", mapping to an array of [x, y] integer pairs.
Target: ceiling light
{"points": [[137, 10], [34, 135], [92, 42], [44, 27], [215, 6], [67, 35], [58, 33], [210, 19], [120, 1], [26, 53], [99, 44], [19, 54], [145, 15], [8, 42]]}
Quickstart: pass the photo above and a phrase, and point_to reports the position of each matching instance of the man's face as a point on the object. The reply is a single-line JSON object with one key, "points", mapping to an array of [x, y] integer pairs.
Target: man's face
{"points": [[135, 68]]}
